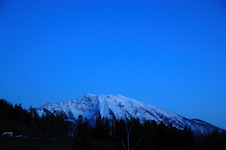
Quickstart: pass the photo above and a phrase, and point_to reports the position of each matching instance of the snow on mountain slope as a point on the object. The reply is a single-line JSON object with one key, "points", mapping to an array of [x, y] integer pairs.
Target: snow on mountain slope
{"points": [[117, 107]]}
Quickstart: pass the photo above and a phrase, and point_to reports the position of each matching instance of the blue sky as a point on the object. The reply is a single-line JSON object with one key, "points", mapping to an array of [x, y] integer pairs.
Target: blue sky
{"points": [[170, 54]]}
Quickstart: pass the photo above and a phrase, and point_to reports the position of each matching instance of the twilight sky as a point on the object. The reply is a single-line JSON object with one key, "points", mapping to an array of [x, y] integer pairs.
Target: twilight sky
{"points": [[170, 54]]}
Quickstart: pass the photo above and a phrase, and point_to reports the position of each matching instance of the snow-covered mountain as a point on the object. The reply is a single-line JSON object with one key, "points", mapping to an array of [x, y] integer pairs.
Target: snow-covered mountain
{"points": [[118, 106]]}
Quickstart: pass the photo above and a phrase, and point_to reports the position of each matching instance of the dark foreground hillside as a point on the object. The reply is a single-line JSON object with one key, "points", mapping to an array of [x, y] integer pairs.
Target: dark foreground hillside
{"points": [[9, 143], [50, 132], [12, 143]]}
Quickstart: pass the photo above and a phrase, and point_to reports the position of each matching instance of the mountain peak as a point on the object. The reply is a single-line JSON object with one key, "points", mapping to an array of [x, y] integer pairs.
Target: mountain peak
{"points": [[92, 106], [102, 96]]}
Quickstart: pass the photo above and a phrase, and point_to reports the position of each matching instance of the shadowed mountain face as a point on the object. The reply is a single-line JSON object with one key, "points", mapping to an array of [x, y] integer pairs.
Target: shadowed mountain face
{"points": [[117, 107]]}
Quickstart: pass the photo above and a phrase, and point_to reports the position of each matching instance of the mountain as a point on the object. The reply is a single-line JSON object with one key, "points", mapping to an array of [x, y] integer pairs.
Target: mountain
{"points": [[117, 107]]}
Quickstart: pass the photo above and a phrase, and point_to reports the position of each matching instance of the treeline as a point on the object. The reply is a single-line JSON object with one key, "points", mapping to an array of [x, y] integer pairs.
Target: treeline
{"points": [[129, 134], [15, 119]]}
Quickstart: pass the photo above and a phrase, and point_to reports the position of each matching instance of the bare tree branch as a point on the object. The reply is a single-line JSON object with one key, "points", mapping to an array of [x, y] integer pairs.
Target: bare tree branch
{"points": [[123, 145], [138, 141], [128, 136]]}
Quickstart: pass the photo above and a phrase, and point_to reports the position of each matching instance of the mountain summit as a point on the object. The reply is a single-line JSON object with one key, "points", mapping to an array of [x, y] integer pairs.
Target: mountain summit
{"points": [[117, 107]]}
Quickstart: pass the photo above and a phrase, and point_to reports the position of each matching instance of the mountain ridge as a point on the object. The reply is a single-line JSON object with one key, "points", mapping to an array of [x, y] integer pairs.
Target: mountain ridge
{"points": [[118, 106]]}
